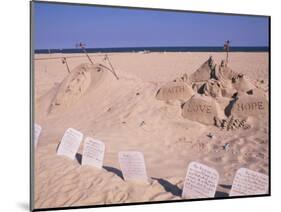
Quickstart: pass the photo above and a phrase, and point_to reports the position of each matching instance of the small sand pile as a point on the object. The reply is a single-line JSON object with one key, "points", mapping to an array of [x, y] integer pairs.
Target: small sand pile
{"points": [[216, 88], [231, 123], [205, 72], [75, 85], [212, 88]]}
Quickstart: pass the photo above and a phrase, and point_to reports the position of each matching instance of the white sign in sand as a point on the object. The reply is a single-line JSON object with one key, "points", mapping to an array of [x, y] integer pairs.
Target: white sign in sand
{"points": [[248, 182], [70, 143], [37, 131], [200, 182], [132, 165], [93, 152]]}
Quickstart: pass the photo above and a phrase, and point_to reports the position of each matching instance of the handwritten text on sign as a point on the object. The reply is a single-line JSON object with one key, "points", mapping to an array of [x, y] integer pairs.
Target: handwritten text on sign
{"points": [[37, 131], [132, 165], [93, 153], [70, 143], [248, 182], [200, 182]]}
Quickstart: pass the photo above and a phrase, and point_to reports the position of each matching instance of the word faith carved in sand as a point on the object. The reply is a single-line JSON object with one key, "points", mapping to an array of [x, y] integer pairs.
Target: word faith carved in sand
{"points": [[248, 182], [199, 108], [250, 106], [70, 143], [132, 165], [174, 89], [37, 131], [200, 182], [93, 152]]}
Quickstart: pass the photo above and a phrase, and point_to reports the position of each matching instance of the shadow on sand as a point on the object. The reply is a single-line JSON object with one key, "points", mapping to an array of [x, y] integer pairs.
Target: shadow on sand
{"points": [[169, 187], [114, 171]]}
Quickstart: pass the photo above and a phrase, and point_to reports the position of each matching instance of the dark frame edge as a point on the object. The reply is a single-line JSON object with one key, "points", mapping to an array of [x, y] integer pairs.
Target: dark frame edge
{"points": [[31, 99]]}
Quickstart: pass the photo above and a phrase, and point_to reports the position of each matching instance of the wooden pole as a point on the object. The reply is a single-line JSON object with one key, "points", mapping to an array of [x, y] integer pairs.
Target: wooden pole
{"points": [[64, 61], [87, 54], [113, 71]]}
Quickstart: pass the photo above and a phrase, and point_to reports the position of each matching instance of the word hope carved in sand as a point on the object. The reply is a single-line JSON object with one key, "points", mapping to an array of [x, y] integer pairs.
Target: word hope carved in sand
{"points": [[70, 143], [93, 153], [201, 181], [37, 131], [132, 165], [248, 182], [247, 105], [250, 106]]}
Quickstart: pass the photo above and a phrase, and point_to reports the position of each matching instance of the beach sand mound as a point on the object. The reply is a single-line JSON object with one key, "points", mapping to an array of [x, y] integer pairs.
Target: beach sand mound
{"points": [[75, 85], [174, 91], [205, 72], [202, 109], [225, 73], [232, 81], [212, 88], [242, 83]]}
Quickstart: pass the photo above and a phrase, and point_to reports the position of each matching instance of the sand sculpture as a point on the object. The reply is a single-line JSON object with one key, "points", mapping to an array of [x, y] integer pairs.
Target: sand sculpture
{"points": [[209, 83], [76, 84]]}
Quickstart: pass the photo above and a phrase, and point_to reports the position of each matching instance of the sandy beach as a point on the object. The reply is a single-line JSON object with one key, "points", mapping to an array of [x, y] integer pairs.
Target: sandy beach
{"points": [[126, 115]]}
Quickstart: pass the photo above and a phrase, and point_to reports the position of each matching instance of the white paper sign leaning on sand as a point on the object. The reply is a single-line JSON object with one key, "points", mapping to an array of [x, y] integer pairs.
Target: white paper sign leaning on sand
{"points": [[93, 152], [37, 131], [248, 182], [70, 143], [132, 165], [200, 182]]}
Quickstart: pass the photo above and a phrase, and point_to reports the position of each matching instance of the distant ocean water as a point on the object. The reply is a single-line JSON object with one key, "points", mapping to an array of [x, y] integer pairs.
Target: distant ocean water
{"points": [[155, 49]]}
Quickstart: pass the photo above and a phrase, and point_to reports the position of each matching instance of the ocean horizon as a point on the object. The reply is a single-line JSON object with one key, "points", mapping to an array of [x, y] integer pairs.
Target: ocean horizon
{"points": [[156, 49]]}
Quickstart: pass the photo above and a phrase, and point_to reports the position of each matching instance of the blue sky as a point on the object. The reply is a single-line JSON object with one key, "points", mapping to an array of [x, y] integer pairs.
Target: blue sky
{"points": [[62, 26]]}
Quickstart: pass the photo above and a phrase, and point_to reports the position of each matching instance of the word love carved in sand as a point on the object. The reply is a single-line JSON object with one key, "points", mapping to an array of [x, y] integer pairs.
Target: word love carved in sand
{"points": [[200, 182], [37, 131], [93, 153], [174, 90], [200, 109], [248, 182], [133, 166], [70, 143]]}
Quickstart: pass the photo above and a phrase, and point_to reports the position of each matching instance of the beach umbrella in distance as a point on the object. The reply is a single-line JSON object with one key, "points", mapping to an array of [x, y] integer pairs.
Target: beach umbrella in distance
{"points": [[63, 60], [82, 46], [226, 48]]}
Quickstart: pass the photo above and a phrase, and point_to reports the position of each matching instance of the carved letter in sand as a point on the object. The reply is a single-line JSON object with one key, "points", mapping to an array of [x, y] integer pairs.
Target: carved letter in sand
{"points": [[200, 182], [37, 131], [175, 90], [133, 166], [70, 143], [93, 152], [248, 182], [248, 105], [200, 109]]}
